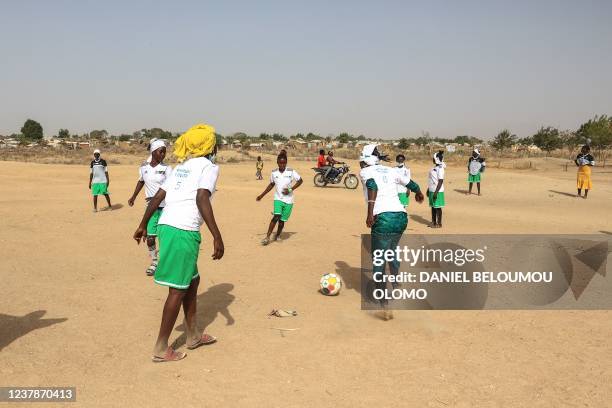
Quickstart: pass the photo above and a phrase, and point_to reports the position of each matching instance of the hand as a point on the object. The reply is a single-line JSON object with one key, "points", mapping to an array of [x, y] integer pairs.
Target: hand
{"points": [[140, 234], [419, 197], [435, 196], [131, 202], [218, 247], [370, 221], [286, 191]]}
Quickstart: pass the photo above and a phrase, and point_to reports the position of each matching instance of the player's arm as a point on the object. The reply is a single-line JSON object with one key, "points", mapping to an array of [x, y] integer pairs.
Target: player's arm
{"points": [[438, 187], [416, 189], [139, 185], [90, 174], [141, 231], [266, 191], [205, 208], [107, 178], [372, 189], [483, 166]]}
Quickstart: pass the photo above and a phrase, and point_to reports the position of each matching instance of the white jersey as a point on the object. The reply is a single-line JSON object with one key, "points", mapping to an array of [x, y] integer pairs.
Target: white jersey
{"points": [[282, 181], [435, 174], [153, 178], [181, 187], [387, 180], [405, 173]]}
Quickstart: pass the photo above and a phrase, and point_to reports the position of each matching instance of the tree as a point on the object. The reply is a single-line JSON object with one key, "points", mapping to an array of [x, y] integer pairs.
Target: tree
{"points": [[218, 140], [403, 143], [156, 133], [547, 139], [503, 140], [344, 137], [597, 131], [32, 130], [525, 141], [63, 134], [98, 134], [264, 136]]}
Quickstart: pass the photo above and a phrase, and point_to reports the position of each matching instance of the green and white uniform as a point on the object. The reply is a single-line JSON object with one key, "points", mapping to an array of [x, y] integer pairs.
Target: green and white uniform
{"points": [[99, 182], [283, 203], [435, 174], [476, 167], [153, 178], [402, 191], [179, 223]]}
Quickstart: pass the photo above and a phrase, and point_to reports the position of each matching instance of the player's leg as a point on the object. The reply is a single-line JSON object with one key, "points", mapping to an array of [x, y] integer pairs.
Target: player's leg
{"points": [[478, 187], [169, 315], [108, 200], [586, 192], [273, 222], [470, 187], [439, 217], [190, 308], [95, 202]]}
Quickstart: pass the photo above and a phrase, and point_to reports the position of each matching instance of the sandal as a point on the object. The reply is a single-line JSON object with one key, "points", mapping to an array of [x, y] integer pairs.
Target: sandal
{"points": [[265, 241], [171, 355], [151, 269], [204, 340]]}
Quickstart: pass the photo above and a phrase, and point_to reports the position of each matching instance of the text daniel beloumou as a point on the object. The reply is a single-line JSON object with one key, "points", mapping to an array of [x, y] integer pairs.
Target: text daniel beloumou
{"points": [[458, 257]]}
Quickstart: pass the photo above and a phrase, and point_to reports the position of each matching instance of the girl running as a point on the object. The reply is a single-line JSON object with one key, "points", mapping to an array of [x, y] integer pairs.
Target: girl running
{"points": [[281, 178], [188, 192], [435, 189], [153, 174]]}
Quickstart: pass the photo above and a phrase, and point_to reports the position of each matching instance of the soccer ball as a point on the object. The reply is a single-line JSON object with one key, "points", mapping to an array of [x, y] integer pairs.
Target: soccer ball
{"points": [[330, 284]]}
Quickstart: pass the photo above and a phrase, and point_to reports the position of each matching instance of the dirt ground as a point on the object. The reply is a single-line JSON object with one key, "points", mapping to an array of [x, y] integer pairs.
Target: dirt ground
{"points": [[77, 309]]}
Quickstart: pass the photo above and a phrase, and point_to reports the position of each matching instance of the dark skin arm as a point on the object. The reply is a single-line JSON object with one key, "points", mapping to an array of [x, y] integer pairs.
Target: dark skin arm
{"points": [[266, 191], [139, 185], [203, 203], [435, 194], [371, 199], [90, 178], [295, 186], [107, 179]]}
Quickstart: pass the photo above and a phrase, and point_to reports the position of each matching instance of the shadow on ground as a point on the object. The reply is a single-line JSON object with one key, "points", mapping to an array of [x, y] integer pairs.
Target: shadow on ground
{"points": [[563, 193], [14, 327], [215, 301]]}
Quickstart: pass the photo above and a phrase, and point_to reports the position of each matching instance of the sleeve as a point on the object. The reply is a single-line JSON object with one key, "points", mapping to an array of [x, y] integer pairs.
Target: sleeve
{"points": [[441, 172], [140, 178], [272, 178], [91, 167], [168, 171], [208, 179], [403, 177], [105, 165], [412, 186], [296, 175], [371, 184]]}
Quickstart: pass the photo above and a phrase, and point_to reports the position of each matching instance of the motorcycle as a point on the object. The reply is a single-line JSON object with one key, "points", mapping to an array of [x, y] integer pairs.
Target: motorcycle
{"points": [[335, 176]]}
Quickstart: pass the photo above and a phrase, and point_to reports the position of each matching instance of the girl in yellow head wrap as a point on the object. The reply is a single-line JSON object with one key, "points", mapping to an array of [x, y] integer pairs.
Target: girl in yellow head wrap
{"points": [[198, 141]]}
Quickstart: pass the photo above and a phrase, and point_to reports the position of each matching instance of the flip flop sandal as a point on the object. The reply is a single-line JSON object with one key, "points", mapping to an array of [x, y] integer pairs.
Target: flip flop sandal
{"points": [[204, 340], [171, 355], [265, 241]]}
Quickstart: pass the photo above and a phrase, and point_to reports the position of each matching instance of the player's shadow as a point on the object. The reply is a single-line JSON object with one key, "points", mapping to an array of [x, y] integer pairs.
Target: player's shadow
{"points": [[14, 327], [461, 191], [286, 235], [351, 276], [606, 232], [564, 193], [117, 206], [419, 219], [214, 301]]}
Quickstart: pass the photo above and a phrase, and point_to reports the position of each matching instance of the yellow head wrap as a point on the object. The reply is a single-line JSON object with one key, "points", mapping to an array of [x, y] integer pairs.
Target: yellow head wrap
{"points": [[198, 141]]}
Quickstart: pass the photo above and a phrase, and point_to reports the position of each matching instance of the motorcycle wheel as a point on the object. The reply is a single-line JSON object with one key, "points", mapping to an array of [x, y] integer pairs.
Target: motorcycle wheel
{"points": [[351, 181], [319, 180]]}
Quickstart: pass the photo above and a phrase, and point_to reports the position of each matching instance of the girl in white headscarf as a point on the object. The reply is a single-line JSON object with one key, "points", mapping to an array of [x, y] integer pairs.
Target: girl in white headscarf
{"points": [[476, 166]]}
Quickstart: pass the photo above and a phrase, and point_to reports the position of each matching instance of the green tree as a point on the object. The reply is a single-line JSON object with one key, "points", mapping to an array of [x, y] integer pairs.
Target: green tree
{"points": [[547, 139], [219, 140], [403, 143], [63, 134], [344, 137], [525, 141], [32, 130], [264, 136], [98, 134], [597, 131], [504, 140]]}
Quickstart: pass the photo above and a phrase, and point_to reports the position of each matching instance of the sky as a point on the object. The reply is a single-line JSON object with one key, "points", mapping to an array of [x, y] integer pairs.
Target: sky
{"points": [[384, 69]]}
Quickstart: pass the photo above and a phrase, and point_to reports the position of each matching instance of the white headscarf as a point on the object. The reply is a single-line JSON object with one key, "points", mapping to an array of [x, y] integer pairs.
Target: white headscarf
{"points": [[96, 151], [477, 151], [367, 157], [155, 144], [438, 161]]}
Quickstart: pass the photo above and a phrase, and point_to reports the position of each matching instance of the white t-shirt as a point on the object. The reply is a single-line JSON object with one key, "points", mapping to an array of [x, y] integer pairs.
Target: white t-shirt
{"points": [[282, 181], [405, 173], [435, 174], [153, 178], [181, 187], [387, 179]]}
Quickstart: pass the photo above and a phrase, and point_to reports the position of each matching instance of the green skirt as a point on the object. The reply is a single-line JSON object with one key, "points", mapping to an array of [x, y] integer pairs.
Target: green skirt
{"points": [[178, 257], [439, 202], [474, 178]]}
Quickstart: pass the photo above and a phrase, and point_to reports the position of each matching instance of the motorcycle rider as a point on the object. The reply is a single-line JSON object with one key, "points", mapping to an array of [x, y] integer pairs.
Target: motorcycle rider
{"points": [[330, 163]]}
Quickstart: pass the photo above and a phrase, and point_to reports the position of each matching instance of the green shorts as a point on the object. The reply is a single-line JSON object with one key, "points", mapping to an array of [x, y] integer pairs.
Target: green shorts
{"points": [[404, 198], [178, 257], [152, 224], [439, 203], [474, 179], [99, 189], [283, 209]]}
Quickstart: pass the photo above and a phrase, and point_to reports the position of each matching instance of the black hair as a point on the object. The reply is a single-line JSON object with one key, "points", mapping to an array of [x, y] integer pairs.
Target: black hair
{"points": [[281, 155], [258, 157], [440, 155], [321, 151], [587, 147], [400, 156]]}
